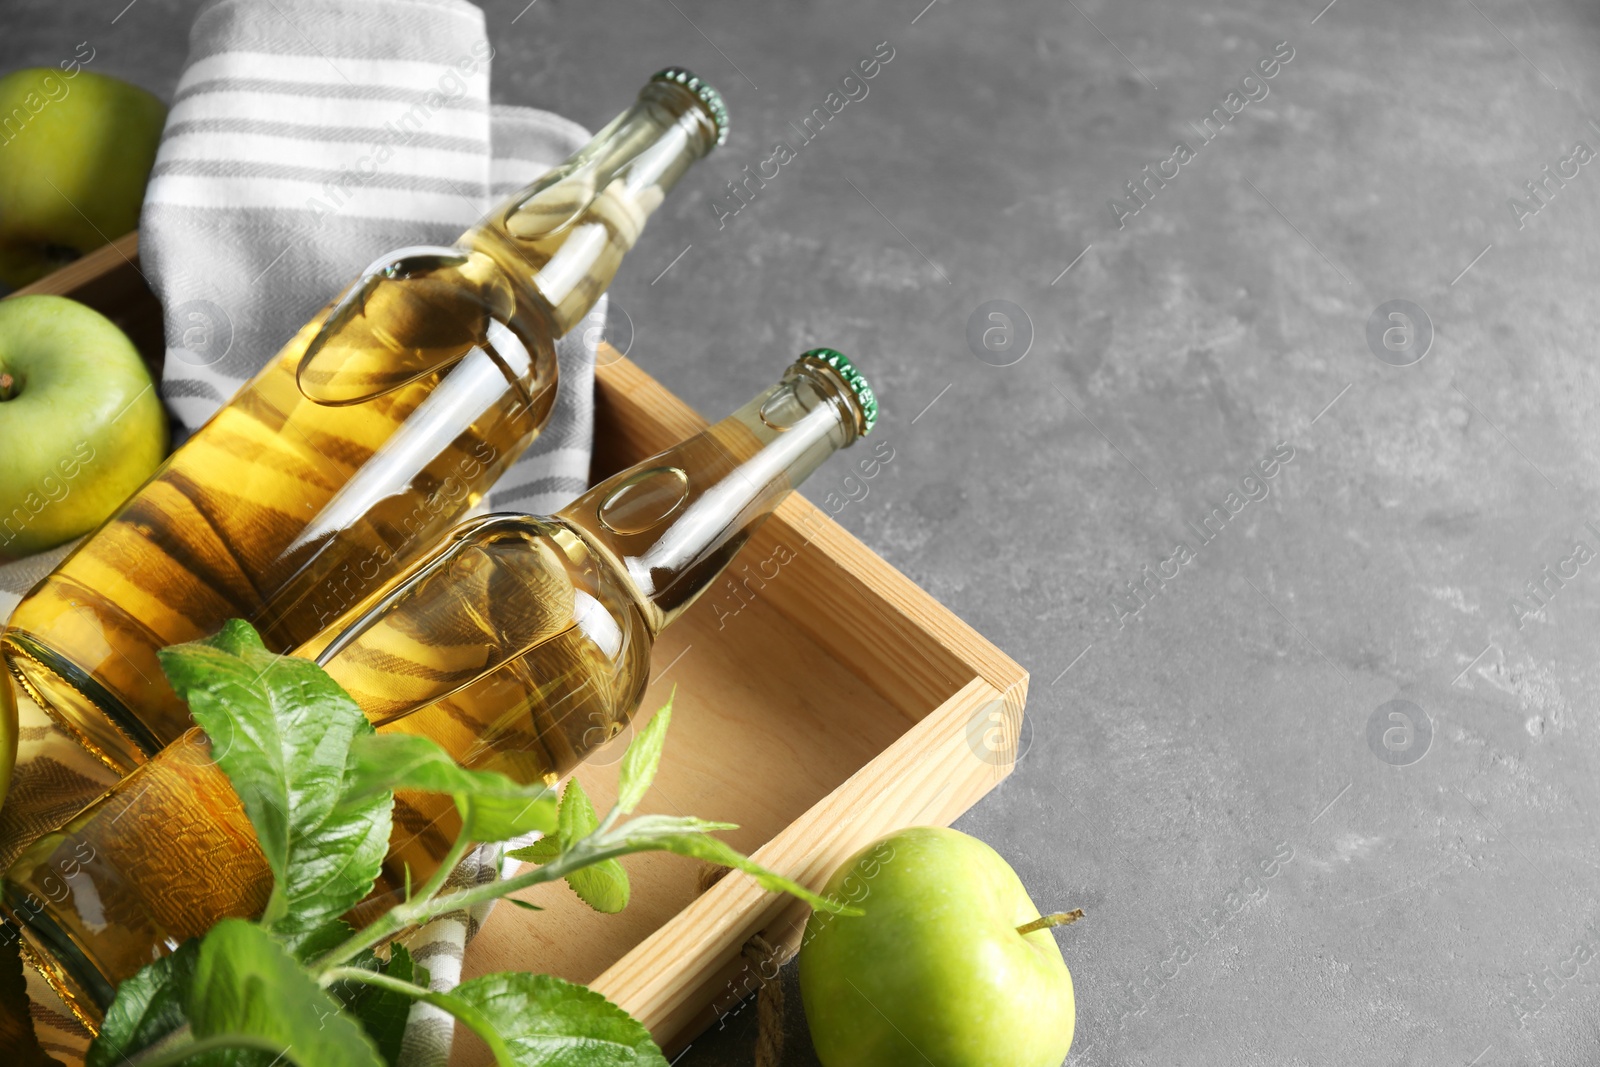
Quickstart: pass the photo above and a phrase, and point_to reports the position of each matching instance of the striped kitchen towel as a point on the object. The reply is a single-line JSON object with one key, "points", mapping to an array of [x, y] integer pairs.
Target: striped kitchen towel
{"points": [[305, 139]]}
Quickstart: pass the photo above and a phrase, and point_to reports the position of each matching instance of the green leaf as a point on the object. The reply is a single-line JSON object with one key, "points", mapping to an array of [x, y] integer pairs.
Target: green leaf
{"points": [[491, 818], [281, 729], [523, 904], [546, 1022], [149, 1006], [17, 1038], [246, 983], [313, 942], [493, 807], [688, 837], [603, 885], [382, 1012], [577, 819], [540, 852], [643, 759]]}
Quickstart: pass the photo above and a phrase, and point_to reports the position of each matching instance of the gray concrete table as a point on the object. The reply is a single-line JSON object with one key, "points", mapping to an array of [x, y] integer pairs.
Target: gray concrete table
{"points": [[1194, 712]]}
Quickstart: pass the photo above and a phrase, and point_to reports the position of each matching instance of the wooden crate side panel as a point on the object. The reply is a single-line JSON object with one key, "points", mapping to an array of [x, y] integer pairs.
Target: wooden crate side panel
{"points": [[671, 982], [109, 281], [863, 611]]}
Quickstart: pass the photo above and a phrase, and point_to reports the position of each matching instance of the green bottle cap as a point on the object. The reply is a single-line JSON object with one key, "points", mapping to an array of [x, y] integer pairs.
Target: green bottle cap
{"points": [[704, 92], [854, 378]]}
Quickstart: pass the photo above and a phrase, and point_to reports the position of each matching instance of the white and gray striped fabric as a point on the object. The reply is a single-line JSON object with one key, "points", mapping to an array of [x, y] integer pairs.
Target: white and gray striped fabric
{"points": [[306, 139]]}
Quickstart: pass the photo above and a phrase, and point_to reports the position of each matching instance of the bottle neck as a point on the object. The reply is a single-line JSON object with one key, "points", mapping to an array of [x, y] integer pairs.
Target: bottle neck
{"points": [[556, 245], [674, 522], [573, 226]]}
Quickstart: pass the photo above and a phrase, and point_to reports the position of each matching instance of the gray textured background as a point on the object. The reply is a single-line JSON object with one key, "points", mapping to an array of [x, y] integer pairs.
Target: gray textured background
{"points": [[1229, 717]]}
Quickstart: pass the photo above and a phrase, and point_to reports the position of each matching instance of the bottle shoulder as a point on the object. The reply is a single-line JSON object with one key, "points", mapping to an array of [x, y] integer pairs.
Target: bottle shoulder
{"points": [[502, 586], [420, 311]]}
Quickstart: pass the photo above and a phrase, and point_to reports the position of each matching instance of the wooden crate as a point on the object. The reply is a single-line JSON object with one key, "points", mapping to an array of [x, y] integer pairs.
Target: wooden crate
{"points": [[840, 703]]}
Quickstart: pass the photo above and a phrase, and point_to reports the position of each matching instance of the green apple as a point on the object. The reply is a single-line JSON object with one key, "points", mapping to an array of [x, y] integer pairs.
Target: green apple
{"points": [[75, 152], [81, 425], [950, 964]]}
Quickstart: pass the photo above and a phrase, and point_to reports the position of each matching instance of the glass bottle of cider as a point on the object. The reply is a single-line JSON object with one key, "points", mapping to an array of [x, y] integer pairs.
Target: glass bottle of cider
{"points": [[381, 423], [519, 643]]}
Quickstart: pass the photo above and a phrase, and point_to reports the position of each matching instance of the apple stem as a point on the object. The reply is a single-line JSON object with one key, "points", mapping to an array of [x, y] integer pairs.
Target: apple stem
{"points": [[8, 385], [1045, 922]]}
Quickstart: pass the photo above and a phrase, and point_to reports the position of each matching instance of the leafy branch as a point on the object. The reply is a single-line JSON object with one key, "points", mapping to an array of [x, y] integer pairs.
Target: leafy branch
{"points": [[298, 984]]}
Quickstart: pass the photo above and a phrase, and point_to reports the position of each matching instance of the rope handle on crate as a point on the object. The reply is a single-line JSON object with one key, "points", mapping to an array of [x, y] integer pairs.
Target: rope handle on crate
{"points": [[765, 959]]}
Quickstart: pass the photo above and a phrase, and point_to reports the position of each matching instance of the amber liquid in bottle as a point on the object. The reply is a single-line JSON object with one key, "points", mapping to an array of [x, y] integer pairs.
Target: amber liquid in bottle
{"points": [[520, 644], [382, 422]]}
